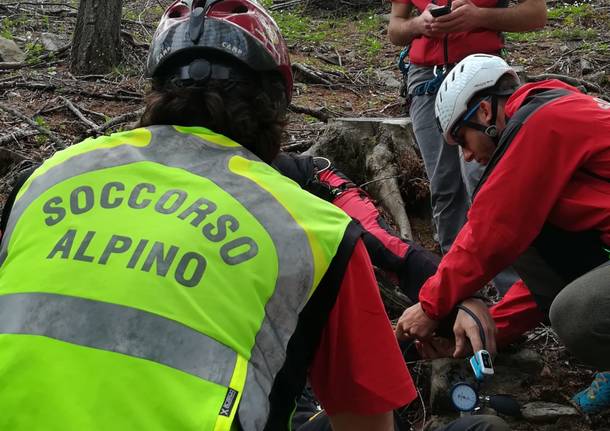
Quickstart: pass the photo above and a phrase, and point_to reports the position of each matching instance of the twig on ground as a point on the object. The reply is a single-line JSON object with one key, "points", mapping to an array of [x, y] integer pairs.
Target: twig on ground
{"points": [[86, 77], [298, 146], [309, 75], [58, 142], [19, 3], [79, 114], [116, 121], [13, 136], [322, 114], [28, 85], [285, 5], [392, 105], [132, 41], [89, 111]]}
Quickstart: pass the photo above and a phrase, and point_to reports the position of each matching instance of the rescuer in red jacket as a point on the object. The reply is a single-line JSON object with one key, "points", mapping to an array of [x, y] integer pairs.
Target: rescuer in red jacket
{"points": [[438, 34], [543, 204]]}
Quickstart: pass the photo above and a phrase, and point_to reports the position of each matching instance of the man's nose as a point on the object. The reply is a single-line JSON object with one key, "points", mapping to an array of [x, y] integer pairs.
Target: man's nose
{"points": [[468, 155]]}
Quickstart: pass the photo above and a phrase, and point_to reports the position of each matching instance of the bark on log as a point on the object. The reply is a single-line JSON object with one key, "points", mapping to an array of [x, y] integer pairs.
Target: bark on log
{"points": [[96, 46], [377, 153]]}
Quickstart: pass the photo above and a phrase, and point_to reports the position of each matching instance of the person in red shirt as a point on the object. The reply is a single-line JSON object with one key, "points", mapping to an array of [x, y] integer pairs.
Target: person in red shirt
{"points": [[543, 204], [435, 45]]}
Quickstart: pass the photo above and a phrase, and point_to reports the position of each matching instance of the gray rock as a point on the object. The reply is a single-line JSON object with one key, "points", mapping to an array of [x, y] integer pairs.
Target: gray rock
{"points": [[10, 52], [585, 66], [387, 78], [525, 360], [52, 42], [539, 411]]}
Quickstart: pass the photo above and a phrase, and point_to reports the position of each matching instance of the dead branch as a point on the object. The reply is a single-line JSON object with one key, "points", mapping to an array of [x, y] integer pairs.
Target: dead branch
{"points": [[286, 5], [79, 114], [322, 114], [41, 5], [307, 74], [58, 142], [130, 116], [132, 41], [298, 146], [129, 97], [7, 65], [568, 80], [28, 85], [89, 111], [10, 137]]}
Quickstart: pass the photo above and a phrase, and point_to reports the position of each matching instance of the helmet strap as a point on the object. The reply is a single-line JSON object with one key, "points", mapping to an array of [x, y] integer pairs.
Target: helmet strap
{"points": [[491, 130], [196, 22], [200, 71]]}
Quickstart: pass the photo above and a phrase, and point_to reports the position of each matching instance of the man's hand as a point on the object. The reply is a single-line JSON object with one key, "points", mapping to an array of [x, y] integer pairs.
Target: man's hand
{"points": [[415, 324], [464, 16], [466, 330], [426, 22], [436, 347]]}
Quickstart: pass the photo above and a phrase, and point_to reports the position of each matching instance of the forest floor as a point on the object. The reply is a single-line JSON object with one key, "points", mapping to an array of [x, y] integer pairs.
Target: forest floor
{"points": [[346, 67]]}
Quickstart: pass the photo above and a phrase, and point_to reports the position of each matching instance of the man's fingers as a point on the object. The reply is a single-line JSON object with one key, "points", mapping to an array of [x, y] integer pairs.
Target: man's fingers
{"points": [[460, 345], [401, 332], [490, 338], [473, 334]]}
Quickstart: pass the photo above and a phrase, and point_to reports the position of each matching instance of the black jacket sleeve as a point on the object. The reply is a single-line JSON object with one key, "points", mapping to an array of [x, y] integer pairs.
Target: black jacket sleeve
{"points": [[8, 205]]}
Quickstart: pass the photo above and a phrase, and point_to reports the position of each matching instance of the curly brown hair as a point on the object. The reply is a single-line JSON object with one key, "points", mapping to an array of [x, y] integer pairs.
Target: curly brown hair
{"points": [[252, 113]]}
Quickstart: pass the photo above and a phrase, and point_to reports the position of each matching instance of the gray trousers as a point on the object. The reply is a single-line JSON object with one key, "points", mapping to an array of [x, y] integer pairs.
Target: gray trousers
{"points": [[580, 314], [452, 180]]}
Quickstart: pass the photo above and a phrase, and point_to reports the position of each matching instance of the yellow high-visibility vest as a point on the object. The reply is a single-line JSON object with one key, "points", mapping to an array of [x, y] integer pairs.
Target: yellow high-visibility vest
{"points": [[151, 280]]}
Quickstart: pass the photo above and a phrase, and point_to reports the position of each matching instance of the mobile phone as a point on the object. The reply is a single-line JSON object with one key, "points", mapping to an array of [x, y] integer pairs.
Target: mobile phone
{"points": [[440, 11]]}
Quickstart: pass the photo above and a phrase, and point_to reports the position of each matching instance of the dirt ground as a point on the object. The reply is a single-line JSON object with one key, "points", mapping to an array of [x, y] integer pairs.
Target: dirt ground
{"points": [[348, 69]]}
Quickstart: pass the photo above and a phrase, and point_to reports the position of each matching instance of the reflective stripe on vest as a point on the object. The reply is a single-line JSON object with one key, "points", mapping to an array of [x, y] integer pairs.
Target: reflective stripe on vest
{"points": [[115, 328], [304, 247]]}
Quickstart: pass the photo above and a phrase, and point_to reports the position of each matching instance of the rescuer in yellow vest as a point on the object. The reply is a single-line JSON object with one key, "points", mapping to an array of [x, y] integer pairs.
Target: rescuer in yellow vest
{"points": [[167, 278]]}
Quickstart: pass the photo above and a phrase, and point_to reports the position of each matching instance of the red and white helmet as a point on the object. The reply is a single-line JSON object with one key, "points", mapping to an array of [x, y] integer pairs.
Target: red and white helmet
{"points": [[473, 74], [215, 30]]}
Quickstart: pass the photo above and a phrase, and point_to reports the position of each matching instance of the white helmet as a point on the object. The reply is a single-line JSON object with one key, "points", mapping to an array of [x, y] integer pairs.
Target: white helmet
{"points": [[473, 74]]}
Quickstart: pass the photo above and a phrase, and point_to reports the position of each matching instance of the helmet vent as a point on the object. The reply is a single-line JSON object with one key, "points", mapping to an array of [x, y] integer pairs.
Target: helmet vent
{"points": [[462, 68], [179, 11], [240, 9]]}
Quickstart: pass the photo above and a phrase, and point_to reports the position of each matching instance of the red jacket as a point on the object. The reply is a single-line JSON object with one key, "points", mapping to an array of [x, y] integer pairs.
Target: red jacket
{"points": [[430, 52], [540, 178]]}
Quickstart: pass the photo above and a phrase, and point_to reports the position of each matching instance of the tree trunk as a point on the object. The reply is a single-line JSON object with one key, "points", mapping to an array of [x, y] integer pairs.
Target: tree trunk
{"points": [[96, 47], [379, 154]]}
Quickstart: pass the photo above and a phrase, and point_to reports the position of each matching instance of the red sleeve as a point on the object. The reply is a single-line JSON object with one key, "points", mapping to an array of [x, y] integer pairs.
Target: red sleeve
{"points": [[515, 314], [358, 367], [511, 208]]}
